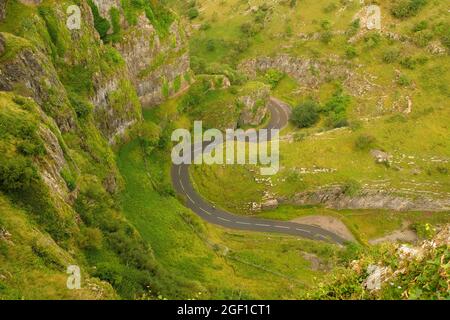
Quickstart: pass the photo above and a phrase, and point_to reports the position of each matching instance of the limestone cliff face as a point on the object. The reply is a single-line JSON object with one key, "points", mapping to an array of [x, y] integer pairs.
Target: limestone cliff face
{"points": [[159, 65], [66, 98], [81, 86], [88, 89]]}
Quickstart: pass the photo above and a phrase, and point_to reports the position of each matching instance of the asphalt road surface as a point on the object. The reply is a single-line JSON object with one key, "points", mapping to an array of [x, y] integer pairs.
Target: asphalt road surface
{"points": [[280, 113]]}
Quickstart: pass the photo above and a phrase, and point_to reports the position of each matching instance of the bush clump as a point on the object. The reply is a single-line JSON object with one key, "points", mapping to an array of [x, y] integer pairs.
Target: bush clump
{"points": [[16, 174], [407, 8], [336, 110], [273, 77], [306, 114], [365, 142]]}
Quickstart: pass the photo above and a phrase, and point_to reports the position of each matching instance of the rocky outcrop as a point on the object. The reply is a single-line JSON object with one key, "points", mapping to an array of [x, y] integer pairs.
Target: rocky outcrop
{"points": [[336, 198], [2, 9], [381, 156], [311, 73], [53, 163], [270, 204], [30, 72], [253, 101]]}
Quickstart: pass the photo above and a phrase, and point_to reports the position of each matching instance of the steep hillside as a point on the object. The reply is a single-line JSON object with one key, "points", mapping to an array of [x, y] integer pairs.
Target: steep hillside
{"points": [[67, 97]]}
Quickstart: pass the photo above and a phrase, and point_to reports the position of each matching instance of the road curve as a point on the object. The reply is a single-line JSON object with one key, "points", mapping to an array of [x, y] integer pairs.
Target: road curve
{"points": [[181, 181]]}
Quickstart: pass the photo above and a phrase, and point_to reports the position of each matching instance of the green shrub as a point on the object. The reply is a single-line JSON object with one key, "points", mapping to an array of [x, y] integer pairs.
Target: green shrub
{"points": [[193, 13], [149, 136], [69, 179], [177, 83], [78, 79], [424, 230], [365, 142], [101, 24], [326, 36], [408, 62], [29, 148], [190, 100], [210, 45], [159, 16], [372, 39], [305, 115], [240, 45], [336, 120], [353, 28], [351, 188], [165, 89], [250, 29], [422, 25], [335, 110], [441, 30], [17, 173], [330, 8], [422, 38], [390, 56], [82, 108], [350, 52], [51, 23], [338, 103], [442, 169], [205, 26], [403, 80], [407, 8], [114, 13], [273, 77], [90, 238]]}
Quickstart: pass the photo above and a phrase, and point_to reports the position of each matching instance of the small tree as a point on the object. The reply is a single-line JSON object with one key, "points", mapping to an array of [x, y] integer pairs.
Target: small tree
{"points": [[273, 77], [193, 13], [365, 142], [305, 115], [149, 135]]}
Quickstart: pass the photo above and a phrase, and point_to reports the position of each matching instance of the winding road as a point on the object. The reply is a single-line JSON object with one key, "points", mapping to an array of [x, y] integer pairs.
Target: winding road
{"points": [[280, 113]]}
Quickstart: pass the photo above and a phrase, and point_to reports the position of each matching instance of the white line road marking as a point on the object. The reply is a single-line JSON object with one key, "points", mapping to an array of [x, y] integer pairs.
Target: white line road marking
{"points": [[282, 227], [207, 212], [280, 110], [190, 198], [262, 225], [182, 186]]}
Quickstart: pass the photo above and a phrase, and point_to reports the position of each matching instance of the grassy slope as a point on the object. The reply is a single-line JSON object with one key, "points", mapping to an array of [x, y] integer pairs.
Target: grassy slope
{"points": [[33, 266]]}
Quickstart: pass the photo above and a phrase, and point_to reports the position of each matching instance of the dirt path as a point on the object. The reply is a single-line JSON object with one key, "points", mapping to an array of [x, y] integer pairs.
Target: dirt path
{"points": [[331, 224]]}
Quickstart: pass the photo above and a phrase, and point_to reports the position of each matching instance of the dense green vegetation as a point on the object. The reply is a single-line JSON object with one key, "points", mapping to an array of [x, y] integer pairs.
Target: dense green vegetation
{"points": [[74, 192]]}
